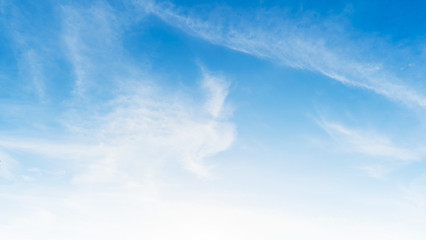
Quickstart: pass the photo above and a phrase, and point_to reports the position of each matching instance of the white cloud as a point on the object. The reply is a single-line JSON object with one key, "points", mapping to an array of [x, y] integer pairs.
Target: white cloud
{"points": [[114, 149], [142, 130], [368, 143], [301, 42], [135, 126], [91, 39], [114, 155], [217, 89]]}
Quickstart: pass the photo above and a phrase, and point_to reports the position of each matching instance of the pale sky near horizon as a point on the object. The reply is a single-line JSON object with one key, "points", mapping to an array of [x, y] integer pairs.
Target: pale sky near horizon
{"points": [[218, 119]]}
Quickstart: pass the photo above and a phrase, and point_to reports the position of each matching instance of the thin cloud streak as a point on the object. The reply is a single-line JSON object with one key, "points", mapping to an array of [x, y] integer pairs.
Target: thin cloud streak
{"points": [[368, 143], [90, 37], [290, 42]]}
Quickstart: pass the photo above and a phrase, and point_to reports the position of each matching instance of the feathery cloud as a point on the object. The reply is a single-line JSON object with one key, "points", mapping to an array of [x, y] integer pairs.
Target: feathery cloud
{"points": [[368, 143], [299, 42]]}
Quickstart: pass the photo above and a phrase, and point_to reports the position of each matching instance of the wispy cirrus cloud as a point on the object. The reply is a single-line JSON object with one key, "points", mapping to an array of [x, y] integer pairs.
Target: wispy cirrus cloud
{"points": [[115, 158], [119, 120], [369, 143], [383, 154], [118, 134], [141, 129], [319, 45], [91, 40], [119, 151]]}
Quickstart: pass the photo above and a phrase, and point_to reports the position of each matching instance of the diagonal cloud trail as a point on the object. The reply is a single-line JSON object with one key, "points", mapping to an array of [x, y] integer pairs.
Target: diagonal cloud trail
{"points": [[296, 43]]}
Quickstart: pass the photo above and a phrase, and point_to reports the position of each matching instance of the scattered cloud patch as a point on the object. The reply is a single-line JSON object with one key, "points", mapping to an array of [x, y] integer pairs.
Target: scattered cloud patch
{"points": [[141, 131]]}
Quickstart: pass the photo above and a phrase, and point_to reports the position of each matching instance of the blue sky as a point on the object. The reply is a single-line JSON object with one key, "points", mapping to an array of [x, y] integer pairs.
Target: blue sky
{"points": [[212, 120]]}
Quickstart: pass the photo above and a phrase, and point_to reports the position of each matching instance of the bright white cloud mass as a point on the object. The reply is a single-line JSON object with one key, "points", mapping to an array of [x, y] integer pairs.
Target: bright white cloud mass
{"points": [[212, 120]]}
